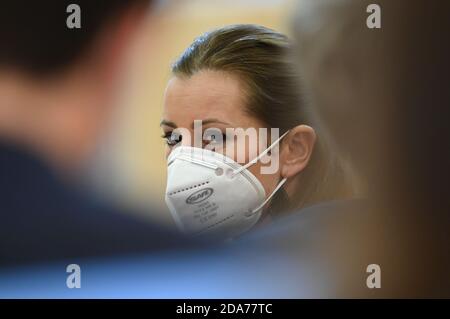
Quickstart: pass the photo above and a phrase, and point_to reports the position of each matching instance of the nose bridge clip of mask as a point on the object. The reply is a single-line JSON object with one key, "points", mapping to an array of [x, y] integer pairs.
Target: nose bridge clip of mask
{"points": [[191, 159]]}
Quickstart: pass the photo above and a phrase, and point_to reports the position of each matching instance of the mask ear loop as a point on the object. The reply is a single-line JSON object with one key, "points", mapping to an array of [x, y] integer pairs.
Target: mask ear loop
{"points": [[255, 160], [257, 209]]}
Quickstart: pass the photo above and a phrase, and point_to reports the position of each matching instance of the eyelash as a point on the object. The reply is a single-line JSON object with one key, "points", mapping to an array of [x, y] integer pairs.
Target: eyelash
{"points": [[168, 138]]}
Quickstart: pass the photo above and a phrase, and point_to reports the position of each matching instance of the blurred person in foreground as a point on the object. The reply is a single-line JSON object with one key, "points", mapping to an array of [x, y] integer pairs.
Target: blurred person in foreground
{"points": [[382, 94], [57, 90]]}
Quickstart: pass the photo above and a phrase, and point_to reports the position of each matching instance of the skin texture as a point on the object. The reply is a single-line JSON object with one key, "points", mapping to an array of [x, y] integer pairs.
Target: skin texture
{"points": [[218, 96]]}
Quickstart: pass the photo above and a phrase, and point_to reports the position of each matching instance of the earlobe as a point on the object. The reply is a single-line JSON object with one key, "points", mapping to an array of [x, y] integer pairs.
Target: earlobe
{"points": [[298, 150]]}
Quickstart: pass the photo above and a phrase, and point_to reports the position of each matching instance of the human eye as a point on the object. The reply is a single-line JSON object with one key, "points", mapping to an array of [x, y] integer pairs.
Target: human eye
{"points": [[215, 137], [218, 138], [172, 138]]}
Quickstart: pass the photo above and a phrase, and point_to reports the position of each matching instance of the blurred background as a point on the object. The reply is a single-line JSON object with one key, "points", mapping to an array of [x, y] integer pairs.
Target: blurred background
{"points": [[129, 167], [398, 143]]}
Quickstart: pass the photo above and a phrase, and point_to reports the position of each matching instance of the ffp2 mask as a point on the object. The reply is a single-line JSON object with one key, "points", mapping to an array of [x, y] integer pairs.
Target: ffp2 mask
{"points": [[209, 193]]}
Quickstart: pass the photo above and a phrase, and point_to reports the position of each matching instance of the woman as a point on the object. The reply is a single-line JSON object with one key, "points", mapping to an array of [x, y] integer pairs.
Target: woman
{"points": [[240, 76]]}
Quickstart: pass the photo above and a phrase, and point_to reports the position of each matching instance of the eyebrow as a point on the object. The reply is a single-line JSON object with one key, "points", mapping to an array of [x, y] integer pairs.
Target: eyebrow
{"points": [[209, 121], [168, 123], [204, 122]]}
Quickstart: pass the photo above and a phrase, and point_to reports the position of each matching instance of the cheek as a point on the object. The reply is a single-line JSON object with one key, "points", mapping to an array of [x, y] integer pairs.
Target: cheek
{"points": [[242, 152], [269, 181]]}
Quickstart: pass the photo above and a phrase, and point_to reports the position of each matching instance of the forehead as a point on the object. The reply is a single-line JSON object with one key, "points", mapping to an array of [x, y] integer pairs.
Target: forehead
{"points": [[206, 94]]}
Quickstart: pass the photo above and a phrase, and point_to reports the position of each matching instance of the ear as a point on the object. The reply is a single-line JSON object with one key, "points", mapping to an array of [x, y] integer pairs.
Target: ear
{"points": [[296, 150]]}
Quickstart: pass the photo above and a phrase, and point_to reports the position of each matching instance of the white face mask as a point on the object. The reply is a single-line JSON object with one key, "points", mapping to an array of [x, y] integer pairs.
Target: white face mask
{"points": [[209, 193]]}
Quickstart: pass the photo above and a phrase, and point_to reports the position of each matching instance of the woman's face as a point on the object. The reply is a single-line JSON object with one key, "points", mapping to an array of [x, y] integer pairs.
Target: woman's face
{"points": [[217, 99]]}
